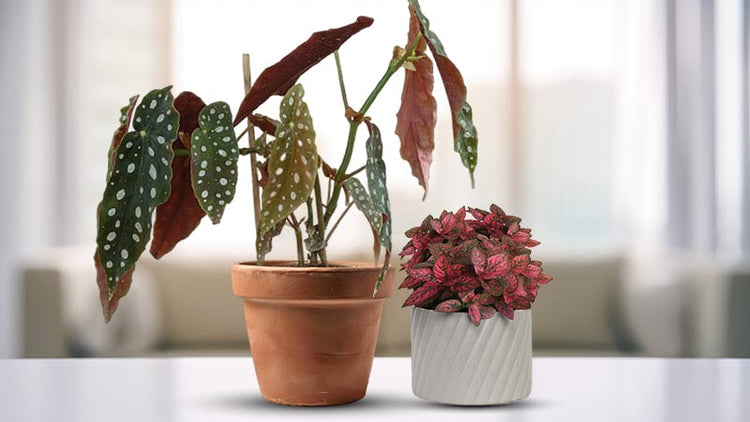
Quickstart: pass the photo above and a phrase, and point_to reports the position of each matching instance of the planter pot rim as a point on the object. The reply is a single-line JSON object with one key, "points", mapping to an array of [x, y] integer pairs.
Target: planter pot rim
{"points": [[464, 314], [278, 280], [289, 266]]}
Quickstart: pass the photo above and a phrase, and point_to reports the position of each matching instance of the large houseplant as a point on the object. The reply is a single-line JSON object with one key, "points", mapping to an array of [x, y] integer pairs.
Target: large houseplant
{"points": [[312, 323], [474, 283]]}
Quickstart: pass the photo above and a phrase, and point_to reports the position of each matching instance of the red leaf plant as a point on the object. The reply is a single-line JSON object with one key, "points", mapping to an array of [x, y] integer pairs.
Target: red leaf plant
{"points": [[480, 265]]}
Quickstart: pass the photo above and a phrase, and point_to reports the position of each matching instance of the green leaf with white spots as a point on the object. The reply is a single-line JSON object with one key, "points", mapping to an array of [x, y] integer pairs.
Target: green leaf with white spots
{"points": [[264, 242], [292, 162], [376, 183], [466, 140], [364, 203], [139, 182], [214, 157], [126, 113], [464, 132]]}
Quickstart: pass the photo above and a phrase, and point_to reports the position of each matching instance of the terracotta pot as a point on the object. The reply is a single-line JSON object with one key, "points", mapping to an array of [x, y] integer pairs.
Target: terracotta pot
{"points": [[312, 331]]}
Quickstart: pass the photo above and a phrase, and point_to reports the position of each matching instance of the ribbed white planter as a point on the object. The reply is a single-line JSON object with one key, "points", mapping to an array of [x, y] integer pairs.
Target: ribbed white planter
{"points": [[454, 362]]}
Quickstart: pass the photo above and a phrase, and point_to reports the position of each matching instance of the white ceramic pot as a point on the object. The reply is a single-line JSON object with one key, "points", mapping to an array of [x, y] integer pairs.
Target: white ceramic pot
{"points": [[454, 362]]}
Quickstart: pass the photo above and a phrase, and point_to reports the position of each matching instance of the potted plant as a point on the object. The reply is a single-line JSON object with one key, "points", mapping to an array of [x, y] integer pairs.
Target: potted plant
{"points": [[312, 323], [474, 282]]}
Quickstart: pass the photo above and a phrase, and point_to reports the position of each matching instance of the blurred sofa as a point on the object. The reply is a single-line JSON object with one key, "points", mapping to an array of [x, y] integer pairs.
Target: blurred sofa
{"points": [[184, 306]]}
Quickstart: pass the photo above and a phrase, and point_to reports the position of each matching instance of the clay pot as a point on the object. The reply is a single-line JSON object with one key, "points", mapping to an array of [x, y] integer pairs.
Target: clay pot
{"points": [[313, 330]]}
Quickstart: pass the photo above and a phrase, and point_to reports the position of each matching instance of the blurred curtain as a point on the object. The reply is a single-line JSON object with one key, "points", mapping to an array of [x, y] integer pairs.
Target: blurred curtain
{"points": [[681, 137]]}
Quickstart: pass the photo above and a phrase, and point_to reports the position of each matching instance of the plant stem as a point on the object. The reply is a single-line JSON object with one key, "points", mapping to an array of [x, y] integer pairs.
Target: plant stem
{"points": [[336, 224], [393, 67], [341, 79], [313, 256], [298, 234], [251, 141], [321, 221]]}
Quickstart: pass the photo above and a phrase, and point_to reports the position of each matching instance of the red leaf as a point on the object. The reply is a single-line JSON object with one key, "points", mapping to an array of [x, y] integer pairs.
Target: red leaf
{"points": [[464, 283], [424, 295], [441, 268], [181, 213], [479, 261], [474, 315], [543, 279], [504, 308], [418, 113], [493, 286], [486, 312], [278, 78], [497, 266], [452, 305], [121, 288], [411, 283], [423, 274]]}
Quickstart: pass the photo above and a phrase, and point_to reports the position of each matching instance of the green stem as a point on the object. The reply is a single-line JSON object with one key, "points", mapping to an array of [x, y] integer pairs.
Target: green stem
{"points": [[393, 67], [298, 235], [341, 79], [321, 221]]}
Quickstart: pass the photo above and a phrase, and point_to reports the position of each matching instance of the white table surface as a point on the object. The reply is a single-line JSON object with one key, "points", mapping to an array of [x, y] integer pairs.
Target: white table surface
{"points": [[225, 389]]}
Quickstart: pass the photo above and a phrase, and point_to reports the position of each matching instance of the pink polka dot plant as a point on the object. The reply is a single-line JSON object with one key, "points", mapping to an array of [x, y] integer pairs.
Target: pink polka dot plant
{"points": [[480, 265]]}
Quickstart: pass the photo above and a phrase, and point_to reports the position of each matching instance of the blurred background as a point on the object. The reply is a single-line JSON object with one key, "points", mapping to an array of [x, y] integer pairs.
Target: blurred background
{"points": [[617, 129]]}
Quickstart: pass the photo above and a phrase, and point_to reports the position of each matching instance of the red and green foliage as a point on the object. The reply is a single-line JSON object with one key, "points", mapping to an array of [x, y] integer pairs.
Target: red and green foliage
{"points": [[178, 162], [481, 265]]}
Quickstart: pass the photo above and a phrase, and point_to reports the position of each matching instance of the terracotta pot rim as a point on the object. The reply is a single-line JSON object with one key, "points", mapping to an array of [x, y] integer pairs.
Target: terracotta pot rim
{"points": [[283, 266]]}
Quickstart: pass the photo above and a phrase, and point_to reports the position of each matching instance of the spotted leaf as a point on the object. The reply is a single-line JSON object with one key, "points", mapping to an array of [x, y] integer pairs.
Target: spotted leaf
{"points": [[181, 213], [376, 183], [126, 113], [140, 181], [110, 301], [464, 132], [264, 243], [214, 154], [364, 203], [292, 162]]}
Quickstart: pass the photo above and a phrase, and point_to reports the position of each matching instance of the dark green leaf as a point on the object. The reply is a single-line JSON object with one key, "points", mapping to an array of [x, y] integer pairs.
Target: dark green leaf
{"points": [[140, 181], [376, 183], [364, 203], [264, 242], [292, 162], [214, 159], [126, 113]]}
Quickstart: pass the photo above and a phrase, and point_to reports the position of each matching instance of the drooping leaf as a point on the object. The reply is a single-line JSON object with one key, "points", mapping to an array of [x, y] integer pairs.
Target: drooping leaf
{"points": [[464, 131], [474, 314], [126, 113], [181, 214], [424, 295], [110, 302], [140, 181], [214, 157], [292, 162], [364, 203], [376, 183], [264, 242], [486, 312], [280, 77], [417, 116]]}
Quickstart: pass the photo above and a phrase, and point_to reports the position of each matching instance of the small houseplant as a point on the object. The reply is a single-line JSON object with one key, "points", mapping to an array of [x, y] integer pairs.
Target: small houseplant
{"points": [[312, 323], [474, 282]]}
